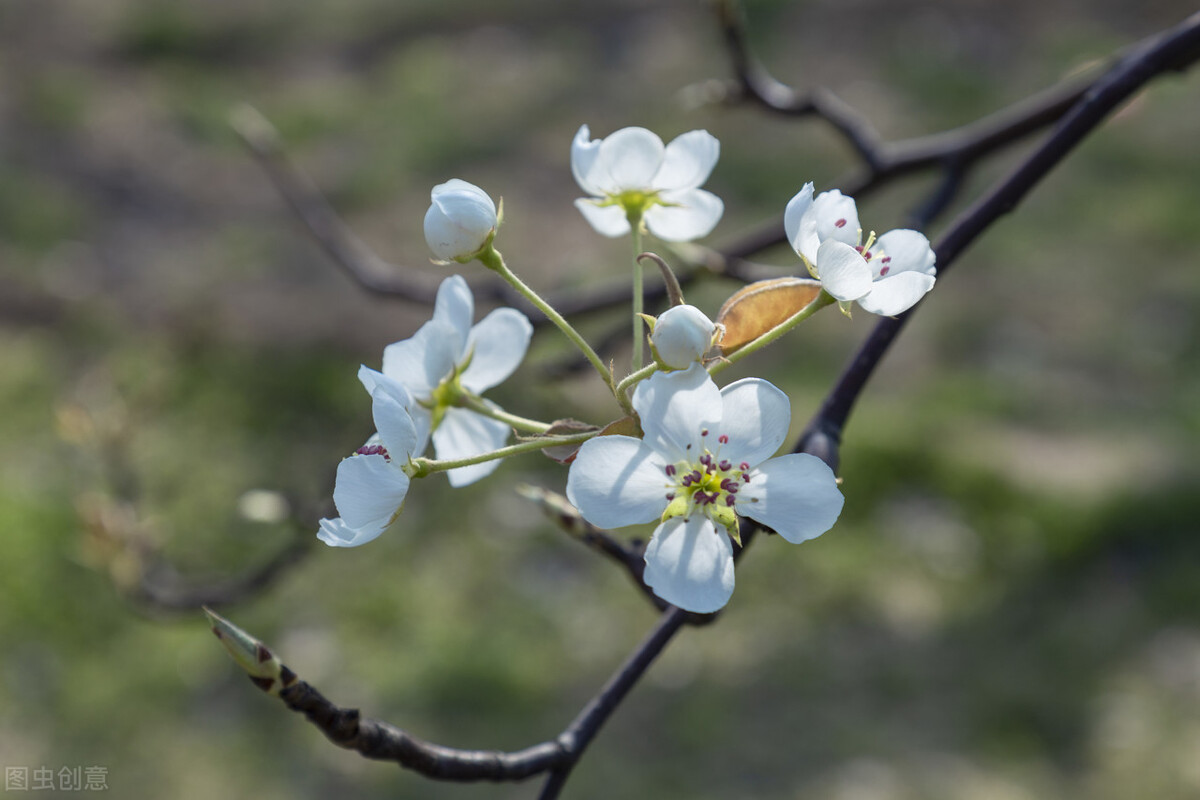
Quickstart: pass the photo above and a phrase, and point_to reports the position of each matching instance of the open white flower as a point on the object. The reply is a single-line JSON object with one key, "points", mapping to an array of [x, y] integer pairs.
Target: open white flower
{"points": [[886, 276], [704, 461], [447, 359], [632, 172], [460, 220], [372, 484], [682, 334]]}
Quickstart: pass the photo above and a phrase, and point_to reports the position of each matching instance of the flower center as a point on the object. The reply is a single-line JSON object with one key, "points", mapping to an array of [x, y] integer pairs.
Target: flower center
{"points": [[708, 485], [870, 255]]}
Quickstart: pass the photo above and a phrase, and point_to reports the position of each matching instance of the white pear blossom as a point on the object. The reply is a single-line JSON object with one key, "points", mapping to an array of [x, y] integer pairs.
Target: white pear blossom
{"points": [[372, 484], [886, 276], [632, 172], [704, 461], [447, 359], [682, 335], [460, 221]]}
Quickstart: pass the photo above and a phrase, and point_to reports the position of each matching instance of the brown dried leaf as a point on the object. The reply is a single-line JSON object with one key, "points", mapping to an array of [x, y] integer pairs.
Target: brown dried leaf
{"points": [[756, 308]]}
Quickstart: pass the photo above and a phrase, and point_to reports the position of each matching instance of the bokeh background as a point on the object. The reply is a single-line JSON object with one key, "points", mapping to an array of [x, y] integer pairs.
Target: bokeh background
{"points": [[1009, 607]]}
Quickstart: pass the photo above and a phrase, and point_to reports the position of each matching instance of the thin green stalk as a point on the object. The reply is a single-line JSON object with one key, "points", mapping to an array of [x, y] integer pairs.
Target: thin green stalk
{"points": [[635, 222], [420, 467], [525, 424], [823, 299], [492, 259], [635, 377]]}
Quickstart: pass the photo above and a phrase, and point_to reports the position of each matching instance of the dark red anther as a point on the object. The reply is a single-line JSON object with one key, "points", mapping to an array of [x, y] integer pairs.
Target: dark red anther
{"points": [[723, 439], [724, 465], [743, 466], [670, 470], [841, 223], [730, 499], [373, 450]]}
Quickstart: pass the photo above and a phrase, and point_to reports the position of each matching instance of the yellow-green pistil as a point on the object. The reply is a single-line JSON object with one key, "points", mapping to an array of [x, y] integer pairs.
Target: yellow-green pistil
{"points": [[708, 485]]}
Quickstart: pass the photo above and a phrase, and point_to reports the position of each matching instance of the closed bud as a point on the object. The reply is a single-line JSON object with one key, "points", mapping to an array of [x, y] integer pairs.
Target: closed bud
{"points": [[460, 222], [682, 334]]}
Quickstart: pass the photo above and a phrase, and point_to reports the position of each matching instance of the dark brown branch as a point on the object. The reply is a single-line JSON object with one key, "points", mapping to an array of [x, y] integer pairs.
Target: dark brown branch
{"points": [[380, 741]]}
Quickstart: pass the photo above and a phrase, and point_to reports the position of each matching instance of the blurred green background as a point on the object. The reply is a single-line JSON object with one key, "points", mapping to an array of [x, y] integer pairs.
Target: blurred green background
{"points": [[1009, 607]]}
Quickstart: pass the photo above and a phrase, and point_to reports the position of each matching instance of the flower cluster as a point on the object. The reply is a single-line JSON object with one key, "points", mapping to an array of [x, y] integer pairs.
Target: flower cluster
{"points": [[705, 458], [885, 276]]}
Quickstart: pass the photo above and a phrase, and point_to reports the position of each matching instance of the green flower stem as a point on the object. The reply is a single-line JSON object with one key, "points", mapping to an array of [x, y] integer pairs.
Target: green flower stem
{"points": [[635, 377], [635, 223], [490, 257], [420, 467], [823, 299], [525, 424]]}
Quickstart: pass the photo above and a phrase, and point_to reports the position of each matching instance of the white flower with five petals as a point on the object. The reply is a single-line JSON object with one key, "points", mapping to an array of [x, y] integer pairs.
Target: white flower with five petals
{"points": [[631, 172], [447, 359], [886, 276], [372, 484], [704, 461]]}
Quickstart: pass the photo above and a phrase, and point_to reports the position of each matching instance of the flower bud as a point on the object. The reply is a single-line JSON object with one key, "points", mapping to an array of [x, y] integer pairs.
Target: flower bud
{"points": [[682, 334], [460, 220]]}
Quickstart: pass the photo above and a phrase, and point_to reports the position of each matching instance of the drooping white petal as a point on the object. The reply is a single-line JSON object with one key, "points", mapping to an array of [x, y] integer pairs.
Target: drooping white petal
{"points": [[374, 381], [606, 220], [686, 216], [676, 408], [496, 346], [689, 563], [463, 434], [806, 244], [368, 492], [618, 480], [422, 361], [843, 272], [583, 156], [897, 293], [397, 431], [628, 159], [336, 533], [795, 494], [455, 306], [836, 217], [755, 417], [687, 161], [906, 250]]}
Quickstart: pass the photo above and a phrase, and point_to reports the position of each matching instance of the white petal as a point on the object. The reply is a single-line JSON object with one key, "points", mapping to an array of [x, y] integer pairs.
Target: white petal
{"points": [[583, 156], [421, 362], [676, 408], [905, 250], [795, 494], [896, 293], [463, 434], [836, 217], [628, 159], [689, 215], [797, 207], [456, 307], [618, 480], [606, 220], [368, 491], [689, 563], [755, 417], [497, 345], [844, 273], [336, 533], [374, 381], [397, 431], [688, 161]]}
